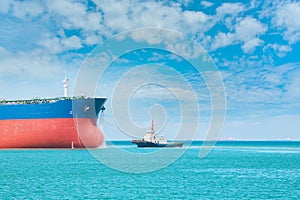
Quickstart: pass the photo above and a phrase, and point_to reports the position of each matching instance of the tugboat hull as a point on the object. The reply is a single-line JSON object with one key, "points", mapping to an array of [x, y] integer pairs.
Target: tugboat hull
{"points": [[143, 144], [151, 139]]}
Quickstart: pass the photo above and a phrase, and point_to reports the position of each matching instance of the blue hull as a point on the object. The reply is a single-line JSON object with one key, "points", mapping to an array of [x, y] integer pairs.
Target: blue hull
{"points": [[65, 108]]}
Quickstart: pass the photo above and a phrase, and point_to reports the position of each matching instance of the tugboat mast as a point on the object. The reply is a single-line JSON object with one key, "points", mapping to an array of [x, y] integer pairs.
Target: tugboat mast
{"points": [[152, 127]]}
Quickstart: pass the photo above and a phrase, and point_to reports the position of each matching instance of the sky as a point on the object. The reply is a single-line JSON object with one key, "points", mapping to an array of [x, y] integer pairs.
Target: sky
{"points": [[254, 46]]}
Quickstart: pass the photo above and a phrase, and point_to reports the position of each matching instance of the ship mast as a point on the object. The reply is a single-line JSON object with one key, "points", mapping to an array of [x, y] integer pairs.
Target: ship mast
{"points": [[65, 81]]}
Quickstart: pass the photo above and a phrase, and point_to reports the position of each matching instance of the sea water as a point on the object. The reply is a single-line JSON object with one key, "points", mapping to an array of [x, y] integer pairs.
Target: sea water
{"points": [[233, 170]]}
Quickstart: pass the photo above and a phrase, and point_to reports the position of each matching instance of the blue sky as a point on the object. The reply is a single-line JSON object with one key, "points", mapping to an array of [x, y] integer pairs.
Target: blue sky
{"points": [[254, 44]]}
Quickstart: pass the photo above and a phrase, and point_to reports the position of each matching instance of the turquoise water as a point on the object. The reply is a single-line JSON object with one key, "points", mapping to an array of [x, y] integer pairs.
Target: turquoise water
{"points": [[233, 170]]}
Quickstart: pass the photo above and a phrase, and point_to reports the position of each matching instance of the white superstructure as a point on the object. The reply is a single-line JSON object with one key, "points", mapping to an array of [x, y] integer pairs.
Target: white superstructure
{"points": [[151, 136]]}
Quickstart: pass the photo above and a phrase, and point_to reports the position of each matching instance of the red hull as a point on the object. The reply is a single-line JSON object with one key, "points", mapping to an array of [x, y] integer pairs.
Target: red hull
{"points": [[50, 133]]}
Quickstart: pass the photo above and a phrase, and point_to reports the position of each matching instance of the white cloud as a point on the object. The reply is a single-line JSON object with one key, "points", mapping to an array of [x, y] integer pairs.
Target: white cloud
{"points": [[280, 50], [276, 76], [223, 40], [106, 20], [250, 45], [93, 21], [169, 40], [206, 4], [58, 44], [149, 36], [125, 15], [230, 9], [72, 42], [246, 32], [66, 8], [288, 17], [194, 20], [91, 38], [30, 64], [228, 14], [192, 17], [27, 9], [129, 15], [188, 50], [254, 4], [265, 90], [184, 2], [283, 16], [249, 28], [71, 15], [51, 44]]}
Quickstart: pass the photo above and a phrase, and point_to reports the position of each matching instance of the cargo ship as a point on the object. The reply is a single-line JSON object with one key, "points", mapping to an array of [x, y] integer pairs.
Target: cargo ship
{"points": [[151, 139], [65, 122]]}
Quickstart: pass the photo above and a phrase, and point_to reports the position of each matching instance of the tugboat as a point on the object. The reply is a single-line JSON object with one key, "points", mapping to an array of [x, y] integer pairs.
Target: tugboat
{"points": [[151, 139]]}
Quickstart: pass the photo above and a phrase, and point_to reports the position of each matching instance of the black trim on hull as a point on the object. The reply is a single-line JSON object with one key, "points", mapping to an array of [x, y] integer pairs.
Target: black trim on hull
{"points": [[143, 144]]}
